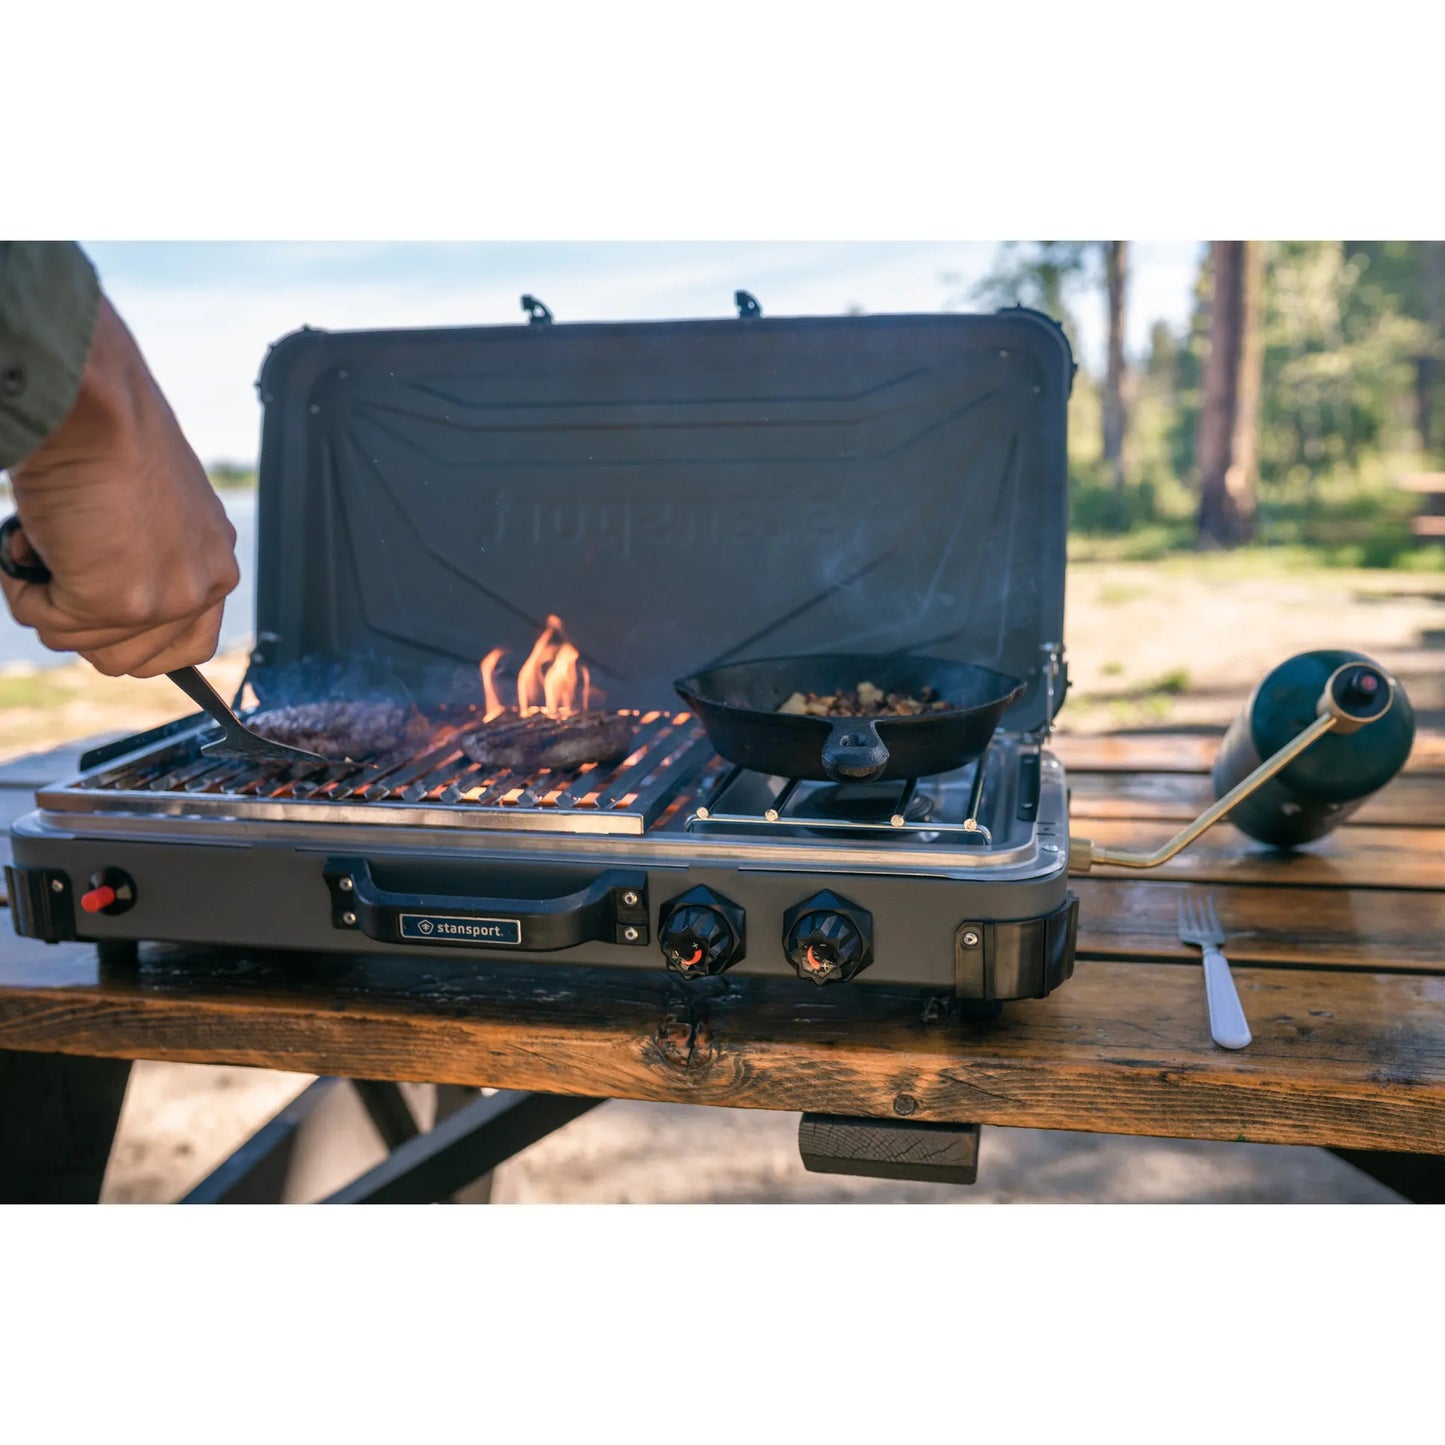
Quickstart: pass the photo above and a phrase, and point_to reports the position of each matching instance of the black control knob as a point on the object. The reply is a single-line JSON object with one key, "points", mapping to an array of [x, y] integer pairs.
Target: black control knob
{"points": [[701, 933], [828, 939]]}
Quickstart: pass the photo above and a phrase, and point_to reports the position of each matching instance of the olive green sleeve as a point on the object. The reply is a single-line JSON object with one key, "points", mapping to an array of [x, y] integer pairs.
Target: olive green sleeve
{"points": [[49, 297]]}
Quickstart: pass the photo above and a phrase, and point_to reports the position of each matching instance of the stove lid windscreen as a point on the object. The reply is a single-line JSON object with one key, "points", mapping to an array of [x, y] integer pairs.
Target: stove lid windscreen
{"points": [[680, 494]]}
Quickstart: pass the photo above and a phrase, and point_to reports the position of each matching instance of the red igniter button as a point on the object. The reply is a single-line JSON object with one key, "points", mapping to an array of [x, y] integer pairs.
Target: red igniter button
{"points": [[98, 899]]}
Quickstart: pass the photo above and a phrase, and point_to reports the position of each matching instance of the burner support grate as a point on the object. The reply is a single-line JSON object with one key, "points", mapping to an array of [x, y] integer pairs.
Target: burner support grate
{"points": [[715, 812]]}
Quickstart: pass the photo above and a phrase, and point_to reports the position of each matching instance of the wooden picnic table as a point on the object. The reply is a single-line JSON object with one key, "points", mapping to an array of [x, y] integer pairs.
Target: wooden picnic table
{"points": [[1337, 953]]}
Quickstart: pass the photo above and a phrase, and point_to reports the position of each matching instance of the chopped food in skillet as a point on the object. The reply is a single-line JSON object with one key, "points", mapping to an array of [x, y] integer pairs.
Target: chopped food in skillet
{"points": [[865, 700]]}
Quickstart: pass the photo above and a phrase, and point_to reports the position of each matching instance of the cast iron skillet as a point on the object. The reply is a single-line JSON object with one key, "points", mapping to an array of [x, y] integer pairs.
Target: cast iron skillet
{"points": [[738, 706]]}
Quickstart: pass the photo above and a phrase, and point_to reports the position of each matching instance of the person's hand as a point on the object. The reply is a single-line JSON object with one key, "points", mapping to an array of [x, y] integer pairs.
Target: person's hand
{"points": [[120, 509]]}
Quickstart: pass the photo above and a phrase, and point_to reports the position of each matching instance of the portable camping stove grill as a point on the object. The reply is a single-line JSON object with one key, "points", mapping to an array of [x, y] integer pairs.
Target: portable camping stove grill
{"points": [[726, 451]]}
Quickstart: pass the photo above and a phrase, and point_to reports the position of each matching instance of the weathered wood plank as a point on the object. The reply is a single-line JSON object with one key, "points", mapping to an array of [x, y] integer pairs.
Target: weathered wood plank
{"points": [[1192, 752], [1136, 752], [1377, 929], [1355, 857], [1411, 801], [1353, 1060]]}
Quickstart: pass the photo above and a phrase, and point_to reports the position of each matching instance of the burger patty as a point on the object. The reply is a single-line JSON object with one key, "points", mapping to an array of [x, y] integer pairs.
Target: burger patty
{"points": [[340, 729], [562, 744]]}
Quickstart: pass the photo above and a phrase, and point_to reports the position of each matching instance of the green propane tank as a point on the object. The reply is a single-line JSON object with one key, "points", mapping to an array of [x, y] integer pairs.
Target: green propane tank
{"points": [[1334, 775]]}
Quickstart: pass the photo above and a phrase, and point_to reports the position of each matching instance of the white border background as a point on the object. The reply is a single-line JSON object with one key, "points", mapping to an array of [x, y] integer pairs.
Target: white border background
{"points": [[778, 121]]}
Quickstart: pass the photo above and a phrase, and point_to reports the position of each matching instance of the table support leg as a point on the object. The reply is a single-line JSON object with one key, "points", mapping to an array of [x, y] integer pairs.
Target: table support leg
{"points": [[58, 1116], [1419, 1177], [396, 1123], [260, 1171], [451, 1099], [463, 1147], [389, 1110]]}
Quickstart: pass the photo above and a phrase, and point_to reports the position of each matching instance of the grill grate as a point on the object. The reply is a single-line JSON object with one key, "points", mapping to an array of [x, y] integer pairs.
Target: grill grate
{"points": [[435, 785]]}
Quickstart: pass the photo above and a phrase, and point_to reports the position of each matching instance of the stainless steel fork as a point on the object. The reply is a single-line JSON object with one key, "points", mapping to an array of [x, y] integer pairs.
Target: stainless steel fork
{"points": [[1199, 924]]}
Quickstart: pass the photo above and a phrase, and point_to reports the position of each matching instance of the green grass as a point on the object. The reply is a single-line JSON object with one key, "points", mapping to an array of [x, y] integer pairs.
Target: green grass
{"points": [[226, 476], [1118, 595], [33, 689], [1132, 711], [1174, 550], [1346, 518]]}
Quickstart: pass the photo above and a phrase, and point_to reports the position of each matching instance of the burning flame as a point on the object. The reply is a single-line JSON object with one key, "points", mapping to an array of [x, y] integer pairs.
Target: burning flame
{"points": [[547, 682], [489, 666], [559, 687]]}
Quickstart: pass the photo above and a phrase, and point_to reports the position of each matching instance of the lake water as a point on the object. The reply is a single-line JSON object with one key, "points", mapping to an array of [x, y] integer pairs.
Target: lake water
{"points": [[20, 645]]}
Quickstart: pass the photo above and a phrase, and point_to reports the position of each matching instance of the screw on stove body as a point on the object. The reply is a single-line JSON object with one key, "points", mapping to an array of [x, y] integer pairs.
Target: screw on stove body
{"points": [[631, 935], [345, 884], [56, 886], [349, 919], [631, 899], [970, 939]]}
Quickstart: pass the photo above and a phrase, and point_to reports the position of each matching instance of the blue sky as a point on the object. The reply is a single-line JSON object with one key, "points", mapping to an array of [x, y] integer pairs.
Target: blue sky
{"points": [[204, 312]]}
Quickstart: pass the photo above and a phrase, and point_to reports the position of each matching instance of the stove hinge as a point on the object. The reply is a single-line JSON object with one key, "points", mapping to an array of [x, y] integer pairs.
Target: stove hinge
{"points": [[42, 903], [1055, 671]]}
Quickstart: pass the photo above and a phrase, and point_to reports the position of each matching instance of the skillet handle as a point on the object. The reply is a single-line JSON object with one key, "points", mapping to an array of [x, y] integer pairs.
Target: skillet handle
{"points": [[854, 753]]}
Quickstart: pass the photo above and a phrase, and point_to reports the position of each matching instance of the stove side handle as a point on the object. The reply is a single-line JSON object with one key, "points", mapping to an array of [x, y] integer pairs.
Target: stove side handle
{"points": [[612, 908]]}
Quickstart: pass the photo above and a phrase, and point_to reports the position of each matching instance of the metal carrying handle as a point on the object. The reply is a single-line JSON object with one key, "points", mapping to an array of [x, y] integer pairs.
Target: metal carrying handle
{"points": [[854, 753], [612, 908], [1346, 684]]}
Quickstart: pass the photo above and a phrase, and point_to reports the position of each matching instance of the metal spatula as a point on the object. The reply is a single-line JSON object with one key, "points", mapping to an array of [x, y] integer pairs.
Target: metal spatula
{"points": [[236, 740]]}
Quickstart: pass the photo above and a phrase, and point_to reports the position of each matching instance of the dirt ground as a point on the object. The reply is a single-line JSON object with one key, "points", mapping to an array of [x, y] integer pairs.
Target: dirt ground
{"points": [[1161, 645]]}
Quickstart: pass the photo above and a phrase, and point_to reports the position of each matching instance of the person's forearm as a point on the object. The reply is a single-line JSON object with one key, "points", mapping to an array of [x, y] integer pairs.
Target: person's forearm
{"points": [[49, 298], [117, 504]]}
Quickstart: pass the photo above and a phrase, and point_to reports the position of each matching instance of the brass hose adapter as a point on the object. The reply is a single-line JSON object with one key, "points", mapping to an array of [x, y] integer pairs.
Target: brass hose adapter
{"points": [[1355, 695]]}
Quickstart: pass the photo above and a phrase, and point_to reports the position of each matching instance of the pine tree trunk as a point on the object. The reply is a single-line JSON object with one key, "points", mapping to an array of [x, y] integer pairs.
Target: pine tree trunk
{"points": [[1229, 420], [1116, 269], [1430, 366]]}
